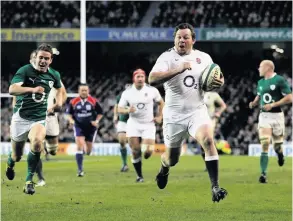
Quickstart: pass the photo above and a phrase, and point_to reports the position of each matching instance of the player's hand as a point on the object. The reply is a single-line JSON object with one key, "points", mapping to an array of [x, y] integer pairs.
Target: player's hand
{"points": [[267, 107], [50, 111], [219, 82], [95, 124], [38, 90], [217, 114], [184, 66], [71, 123], [251, 105], [131, 109], [158, 119]]}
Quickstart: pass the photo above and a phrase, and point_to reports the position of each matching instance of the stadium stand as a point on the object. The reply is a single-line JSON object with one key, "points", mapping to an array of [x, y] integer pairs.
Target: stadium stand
{"points": [[224, 14], [115, 13], [35, 14]]}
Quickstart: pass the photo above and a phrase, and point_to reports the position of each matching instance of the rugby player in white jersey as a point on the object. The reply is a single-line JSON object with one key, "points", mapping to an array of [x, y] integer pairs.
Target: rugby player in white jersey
{"points": [[180, 69], [138, 101]]}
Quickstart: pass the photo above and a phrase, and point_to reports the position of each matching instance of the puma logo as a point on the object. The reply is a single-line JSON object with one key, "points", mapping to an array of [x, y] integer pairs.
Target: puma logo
{"points": [[33, 80]]}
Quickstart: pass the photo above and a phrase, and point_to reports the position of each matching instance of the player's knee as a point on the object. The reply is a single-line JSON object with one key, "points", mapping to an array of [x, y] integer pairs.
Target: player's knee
{"points": [[122, 141], [52, 148], [136, 153], [265, 142], [37, 144], [208, 143]]}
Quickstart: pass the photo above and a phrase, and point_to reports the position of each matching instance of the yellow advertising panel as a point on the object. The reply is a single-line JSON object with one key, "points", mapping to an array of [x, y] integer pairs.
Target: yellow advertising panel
{"points": [[41, 35]]}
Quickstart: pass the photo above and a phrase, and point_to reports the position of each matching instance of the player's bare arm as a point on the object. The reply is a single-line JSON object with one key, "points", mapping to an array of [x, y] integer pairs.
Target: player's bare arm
{"points": [[13, 101], [17, 89], [161, 77], [126, 110], [222, 107], [59, 101], [64, 94], [115, 111], [254, 102], [285, 100], [158, 119], [55, 107]]}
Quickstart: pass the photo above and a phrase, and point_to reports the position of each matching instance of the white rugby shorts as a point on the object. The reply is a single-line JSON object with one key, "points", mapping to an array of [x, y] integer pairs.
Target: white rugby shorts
{"points": [[175, 132], [20, 128], [275, 121], [143, 130]]}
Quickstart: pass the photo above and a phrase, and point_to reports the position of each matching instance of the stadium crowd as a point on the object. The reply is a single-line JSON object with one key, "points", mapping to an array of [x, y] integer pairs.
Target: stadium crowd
{"points": [[115, 13], [225, 14], [66, 14], [36, 14]]}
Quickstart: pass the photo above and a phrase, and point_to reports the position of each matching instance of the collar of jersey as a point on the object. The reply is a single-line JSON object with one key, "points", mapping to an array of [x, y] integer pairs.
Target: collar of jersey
{"points": [[274, 74], [136, 88]]}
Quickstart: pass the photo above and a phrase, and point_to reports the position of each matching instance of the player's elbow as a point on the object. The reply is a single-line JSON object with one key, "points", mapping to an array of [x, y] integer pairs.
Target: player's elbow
{"points": [[290, 98], [224, 106], [64, 96], [153, 81], [12, 90]]}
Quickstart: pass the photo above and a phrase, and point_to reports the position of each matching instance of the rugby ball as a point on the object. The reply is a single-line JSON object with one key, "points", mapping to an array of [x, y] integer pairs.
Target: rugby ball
{"points": [[210, 73]]}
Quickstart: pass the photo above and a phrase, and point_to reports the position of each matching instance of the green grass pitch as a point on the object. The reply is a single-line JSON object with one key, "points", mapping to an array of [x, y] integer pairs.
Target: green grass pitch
{"points": [[105, 194]]}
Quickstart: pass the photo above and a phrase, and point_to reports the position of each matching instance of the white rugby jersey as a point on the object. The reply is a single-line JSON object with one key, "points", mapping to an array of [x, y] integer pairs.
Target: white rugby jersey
{"points": [[210, 98], [143, 101], [183, 94]]}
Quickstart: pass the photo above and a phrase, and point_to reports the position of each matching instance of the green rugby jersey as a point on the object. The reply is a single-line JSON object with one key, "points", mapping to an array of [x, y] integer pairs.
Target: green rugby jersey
{"points": [[272, 90], [33, 106]]}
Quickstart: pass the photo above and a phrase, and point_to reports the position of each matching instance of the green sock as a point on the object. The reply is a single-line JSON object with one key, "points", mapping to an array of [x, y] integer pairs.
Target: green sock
{"points": [[124, 155], [10, 161], [32, 162], [264, 160]]}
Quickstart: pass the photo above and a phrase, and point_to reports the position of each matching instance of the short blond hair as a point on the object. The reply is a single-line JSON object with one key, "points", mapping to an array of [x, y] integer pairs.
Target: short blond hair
{"points": [[269, 64]]}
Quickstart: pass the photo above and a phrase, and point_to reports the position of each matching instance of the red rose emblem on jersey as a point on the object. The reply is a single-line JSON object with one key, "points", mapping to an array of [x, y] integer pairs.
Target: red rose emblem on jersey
{"points": [[198, 60]]}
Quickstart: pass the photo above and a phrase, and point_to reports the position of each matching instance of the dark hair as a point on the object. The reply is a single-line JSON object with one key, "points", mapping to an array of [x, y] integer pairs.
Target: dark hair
{"points": [[45, 47], [184, 26]]}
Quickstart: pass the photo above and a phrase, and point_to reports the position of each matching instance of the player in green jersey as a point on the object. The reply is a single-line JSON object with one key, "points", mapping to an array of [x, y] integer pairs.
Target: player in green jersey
{"points": [[31, 86], [121, 120], [273, 91]]}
